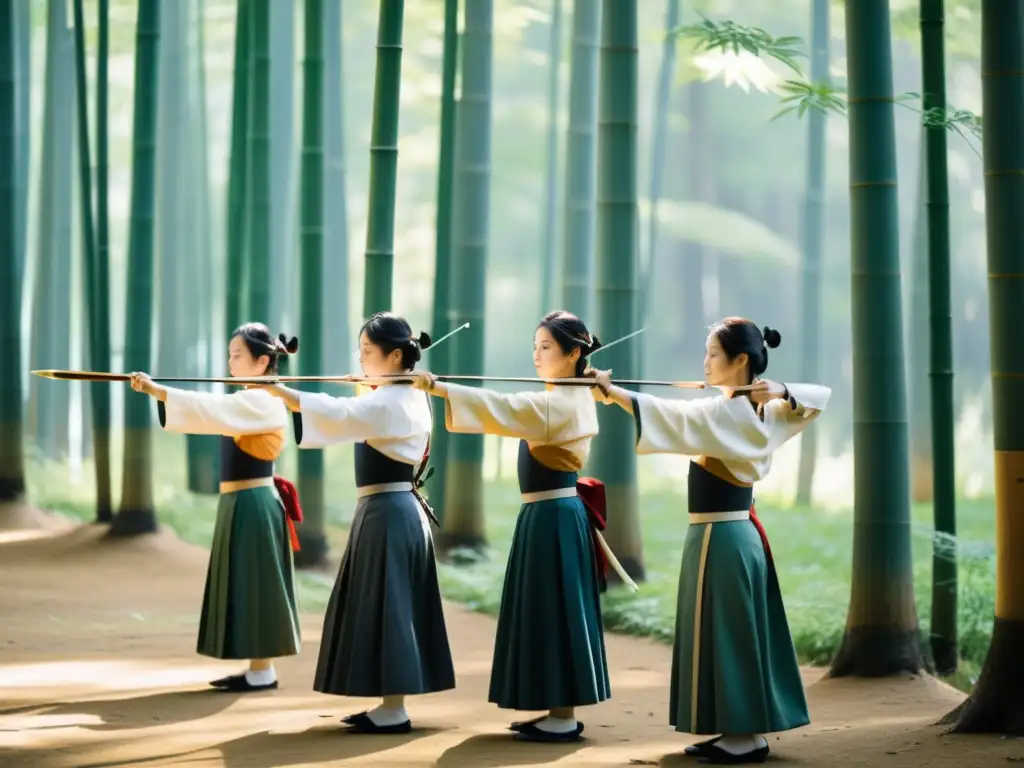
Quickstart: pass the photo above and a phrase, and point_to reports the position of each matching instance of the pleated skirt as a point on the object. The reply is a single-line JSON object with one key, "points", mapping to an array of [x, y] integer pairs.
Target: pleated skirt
{"points": [[249, 609], [734, 667], [384, 633], [549, 649]]}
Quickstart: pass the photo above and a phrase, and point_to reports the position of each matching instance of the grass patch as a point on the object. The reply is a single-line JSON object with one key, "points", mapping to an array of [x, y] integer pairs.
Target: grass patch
{"points": [[812, 548]]}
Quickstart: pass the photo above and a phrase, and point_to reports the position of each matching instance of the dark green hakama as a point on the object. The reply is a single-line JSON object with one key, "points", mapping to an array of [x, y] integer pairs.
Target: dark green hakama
{"points": [[748, 678], [549, 650], [249, 609]]}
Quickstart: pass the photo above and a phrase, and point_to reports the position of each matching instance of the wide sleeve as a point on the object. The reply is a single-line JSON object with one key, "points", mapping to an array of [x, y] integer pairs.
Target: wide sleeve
{"points": [[527, 415], [247, 412], [806, 402], [688, 427], [323, 420]]}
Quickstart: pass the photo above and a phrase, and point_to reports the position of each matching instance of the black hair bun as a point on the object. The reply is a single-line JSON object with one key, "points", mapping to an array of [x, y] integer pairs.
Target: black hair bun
{"points": [[595, 344], [772, 338], [424, 340], [291, 346]]}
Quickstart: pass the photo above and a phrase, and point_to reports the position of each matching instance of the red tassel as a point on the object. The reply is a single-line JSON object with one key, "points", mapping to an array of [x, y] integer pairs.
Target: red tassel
{"points": [[293, 509], [762, 533], [591, 493]]}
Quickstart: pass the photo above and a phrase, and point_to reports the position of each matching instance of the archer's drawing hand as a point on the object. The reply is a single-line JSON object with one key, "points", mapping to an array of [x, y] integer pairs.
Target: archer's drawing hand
{"points": [[766, 390], [424, 380], [142, 383], [603, 380]]}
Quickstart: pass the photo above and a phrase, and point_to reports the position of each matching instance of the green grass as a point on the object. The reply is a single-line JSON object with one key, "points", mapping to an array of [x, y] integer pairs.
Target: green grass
{"points": [[812, 550]]}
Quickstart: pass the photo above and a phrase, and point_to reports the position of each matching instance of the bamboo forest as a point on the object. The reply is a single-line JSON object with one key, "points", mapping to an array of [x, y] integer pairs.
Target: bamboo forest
{"points": [[191, 187]]}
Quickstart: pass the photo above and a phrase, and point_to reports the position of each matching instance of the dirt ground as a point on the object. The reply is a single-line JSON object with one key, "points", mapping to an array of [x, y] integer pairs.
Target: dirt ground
{"points": [[97, 669]]}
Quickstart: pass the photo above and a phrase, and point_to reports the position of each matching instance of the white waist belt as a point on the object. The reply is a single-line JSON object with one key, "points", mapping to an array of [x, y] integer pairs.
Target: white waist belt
{"points": [[371, 490], [557, 493], [696, 518]]}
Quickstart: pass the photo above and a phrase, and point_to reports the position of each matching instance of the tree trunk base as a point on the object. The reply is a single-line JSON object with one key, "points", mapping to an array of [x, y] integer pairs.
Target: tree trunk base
{"points": [[133, 522], [11, 490], [633, 568], [996, 705], [460, 549], [313, 549], [878, 652], [945, 655]]}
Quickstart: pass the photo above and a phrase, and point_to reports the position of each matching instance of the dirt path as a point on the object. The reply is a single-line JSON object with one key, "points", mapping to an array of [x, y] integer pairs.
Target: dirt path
{"points": [[97, 669]]}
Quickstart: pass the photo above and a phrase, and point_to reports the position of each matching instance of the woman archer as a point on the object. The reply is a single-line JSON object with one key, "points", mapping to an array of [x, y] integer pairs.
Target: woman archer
{"points": [[384, 633], [549, 651], [734, 668], [249, 609]]}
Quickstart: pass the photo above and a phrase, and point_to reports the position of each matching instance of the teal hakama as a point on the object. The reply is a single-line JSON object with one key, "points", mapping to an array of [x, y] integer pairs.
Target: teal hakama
{"points": [[549, 649], [734, 667], [249, 609]]}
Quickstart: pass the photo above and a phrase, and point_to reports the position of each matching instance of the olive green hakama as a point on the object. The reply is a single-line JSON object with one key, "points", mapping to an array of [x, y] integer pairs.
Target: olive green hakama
{"points": [[249, 609]]}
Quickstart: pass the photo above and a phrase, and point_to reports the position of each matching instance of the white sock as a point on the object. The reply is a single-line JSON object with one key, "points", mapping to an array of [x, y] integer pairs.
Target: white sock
{"points": [[738, 745], [260, 677], [384, 716], [557, 724]]}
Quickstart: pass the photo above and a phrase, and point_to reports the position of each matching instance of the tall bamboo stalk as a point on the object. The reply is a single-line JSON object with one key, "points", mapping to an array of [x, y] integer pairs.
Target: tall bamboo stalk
{"points": [[549, 275], [99, 394], [581, 161], [23, 75], [613, 458], [380, 224], [313, 550], [238, 173], [137, 513], [443, 257], [996, 705], [12, 456], [464, 524], [102, 353], [259, 227], [813, 244], [881, 627]]}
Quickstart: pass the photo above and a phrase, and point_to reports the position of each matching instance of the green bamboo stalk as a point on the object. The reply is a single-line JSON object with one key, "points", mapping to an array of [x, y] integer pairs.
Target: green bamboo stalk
{"points": [[813, 244], [99, 396], [313, 542], [464, 524], [996, 705], [176, 279], [549, 275], [613, 458], [12, 454], [23, 44], [944, 566], [440, 360], [581, 161], [203, 450], [881, 628], [238, 173], [51, 317], [380, 225], [259, 226], [283, 177], [137, 513], [659, 133], [916, 297], [336, 293], [101, 353]]}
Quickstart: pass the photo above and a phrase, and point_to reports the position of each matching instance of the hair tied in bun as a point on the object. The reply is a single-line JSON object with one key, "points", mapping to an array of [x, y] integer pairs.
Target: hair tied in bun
{"points": [[289, 346], [772, 338], [424, 340]]}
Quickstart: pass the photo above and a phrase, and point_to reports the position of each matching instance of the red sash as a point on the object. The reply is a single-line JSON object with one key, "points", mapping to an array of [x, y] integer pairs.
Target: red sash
{"points": [[293, 510], [761, 532], [591, 493]]}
